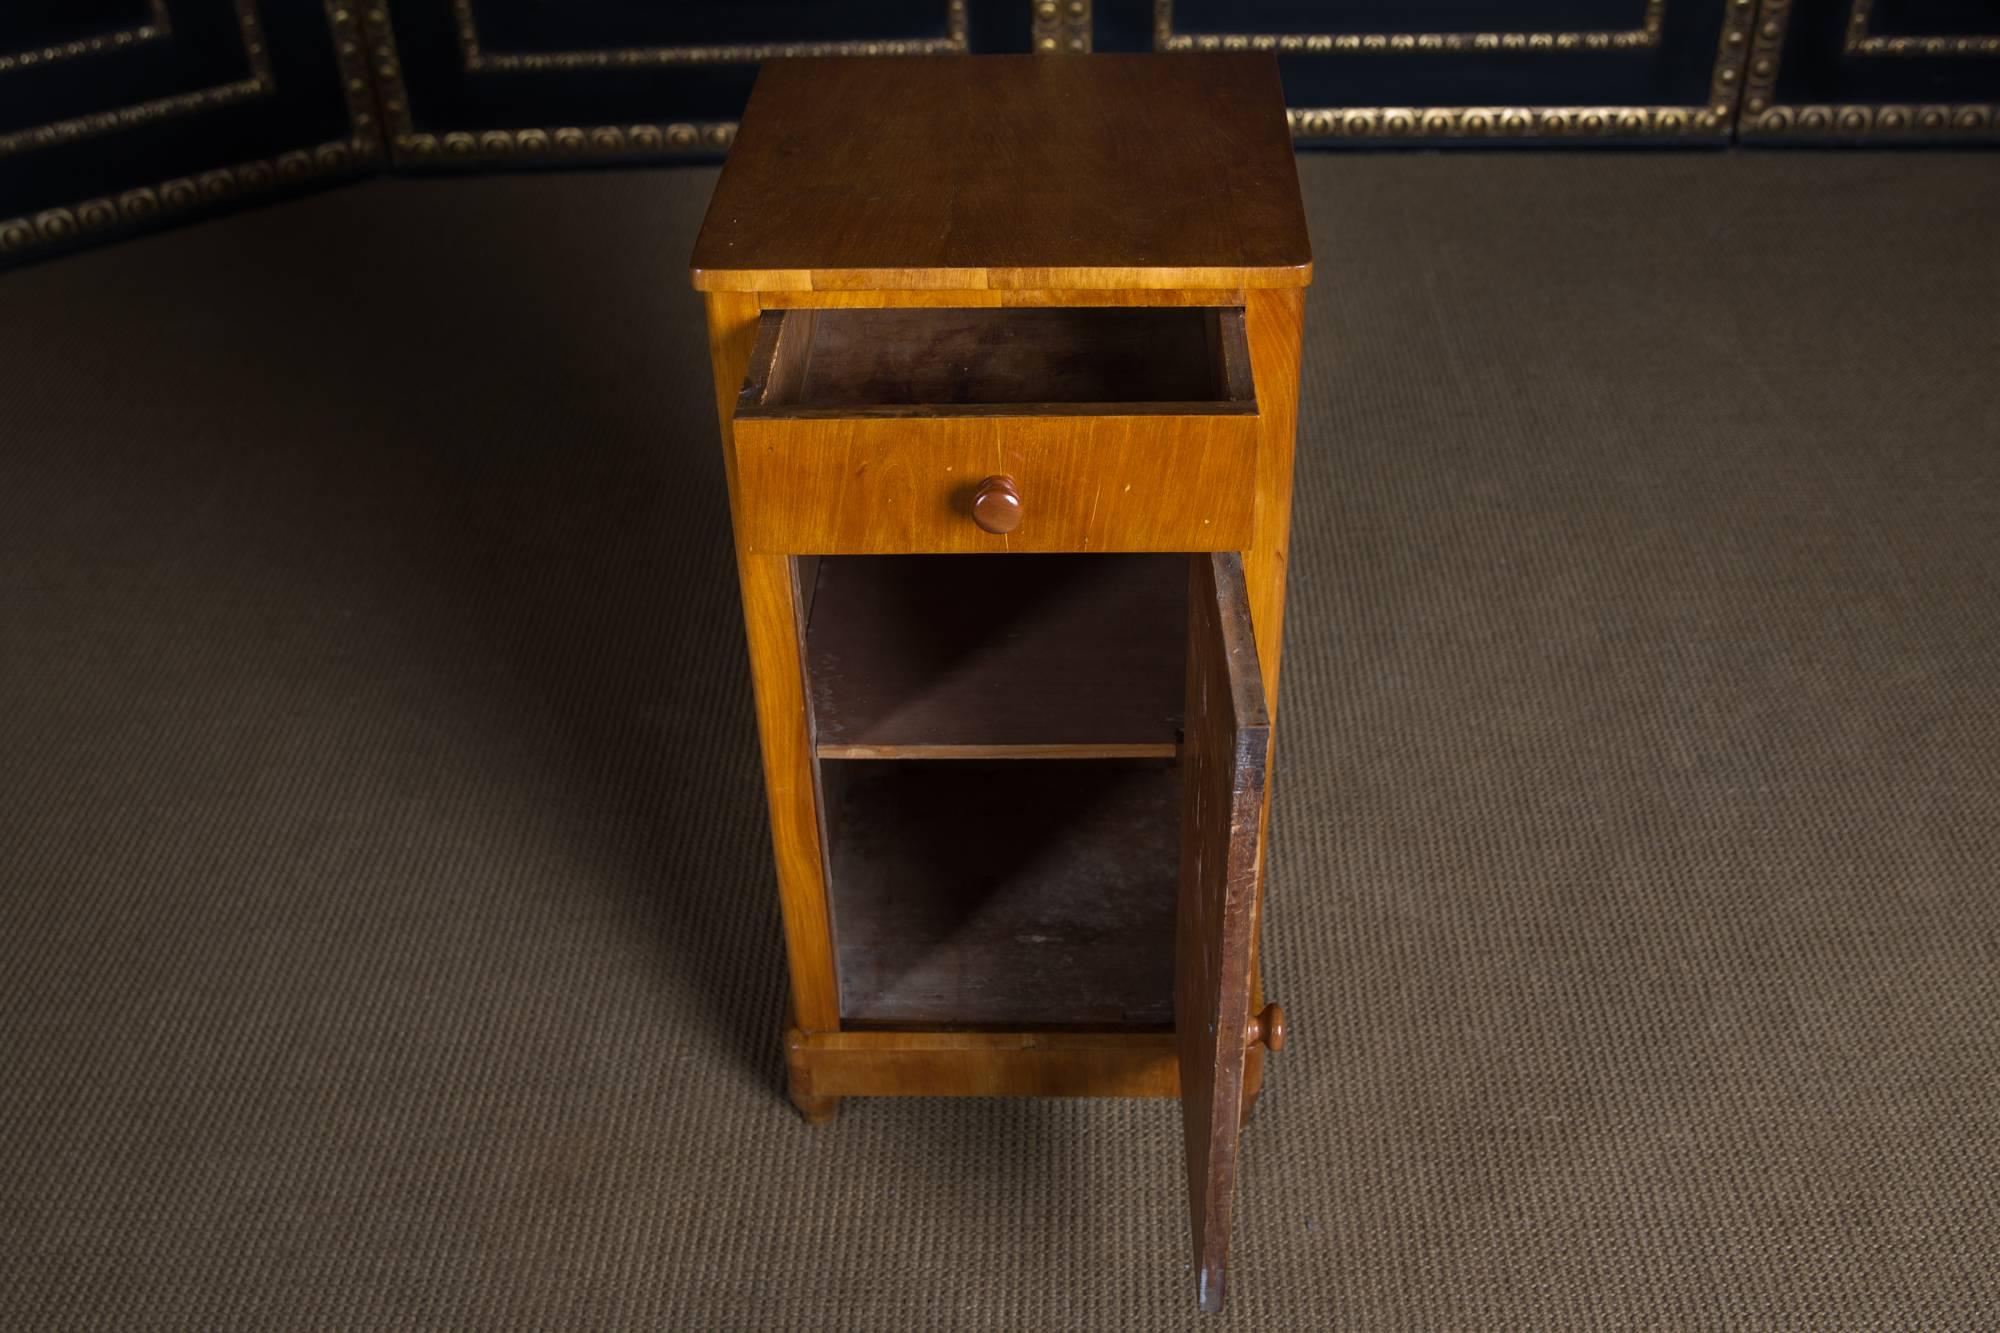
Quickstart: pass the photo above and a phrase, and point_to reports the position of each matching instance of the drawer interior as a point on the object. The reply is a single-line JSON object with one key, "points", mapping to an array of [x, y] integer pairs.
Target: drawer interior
{"points": [[806, 360]]}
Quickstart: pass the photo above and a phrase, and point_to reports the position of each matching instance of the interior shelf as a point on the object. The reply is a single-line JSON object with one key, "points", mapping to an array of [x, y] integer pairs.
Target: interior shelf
{"points": [[1001, 656], [1006, 895]]}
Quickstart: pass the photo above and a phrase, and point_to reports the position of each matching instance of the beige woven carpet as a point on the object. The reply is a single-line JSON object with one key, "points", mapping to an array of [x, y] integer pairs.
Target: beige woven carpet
{"points": [[388, 940]]}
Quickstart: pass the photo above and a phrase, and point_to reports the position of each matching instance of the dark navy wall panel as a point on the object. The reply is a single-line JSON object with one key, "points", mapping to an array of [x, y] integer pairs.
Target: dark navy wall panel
{"points": [[1366, 72], [1875, 71], [479, 82], [120, 114]]}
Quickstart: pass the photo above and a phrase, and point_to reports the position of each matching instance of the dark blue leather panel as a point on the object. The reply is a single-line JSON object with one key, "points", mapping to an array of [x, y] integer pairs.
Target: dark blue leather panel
{"points": [[119, 117]]}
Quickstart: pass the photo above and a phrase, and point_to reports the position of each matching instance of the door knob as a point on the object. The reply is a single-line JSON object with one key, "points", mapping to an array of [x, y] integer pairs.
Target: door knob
{"points": [[1269, 1028], [996, 505]]}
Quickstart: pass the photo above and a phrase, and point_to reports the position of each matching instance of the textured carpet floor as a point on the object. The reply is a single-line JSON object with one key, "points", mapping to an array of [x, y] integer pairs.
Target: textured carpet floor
{"points": [[387, 935]]}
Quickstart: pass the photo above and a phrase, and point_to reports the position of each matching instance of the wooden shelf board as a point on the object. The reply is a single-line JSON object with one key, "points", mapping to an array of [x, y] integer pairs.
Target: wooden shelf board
{"points": [[1134, 750], [906, 1063]]}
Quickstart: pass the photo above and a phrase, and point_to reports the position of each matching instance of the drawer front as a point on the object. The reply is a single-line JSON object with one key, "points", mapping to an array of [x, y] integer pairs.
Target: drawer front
{"points": [[854, 485]]}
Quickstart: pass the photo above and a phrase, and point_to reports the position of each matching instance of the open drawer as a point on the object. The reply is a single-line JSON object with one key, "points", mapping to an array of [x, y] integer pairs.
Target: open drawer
{"points": [[997, 429]]}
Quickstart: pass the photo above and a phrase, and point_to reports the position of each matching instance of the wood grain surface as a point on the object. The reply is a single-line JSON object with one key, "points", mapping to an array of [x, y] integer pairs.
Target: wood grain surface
{"points": [[1274, 326], [1222, 771], [1141, 475], [830, 1065], [1012, 298], [1009, 172], [829, 209], [855, 485], [773, 618]]}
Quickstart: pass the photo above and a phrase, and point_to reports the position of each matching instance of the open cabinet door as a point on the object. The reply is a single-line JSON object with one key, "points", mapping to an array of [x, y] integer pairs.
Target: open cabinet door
{"points": [[1223, 755]]}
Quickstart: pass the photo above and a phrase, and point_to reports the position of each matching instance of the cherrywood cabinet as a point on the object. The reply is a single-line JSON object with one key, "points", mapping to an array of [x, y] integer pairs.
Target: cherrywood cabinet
{"points": [[1007, 412]]}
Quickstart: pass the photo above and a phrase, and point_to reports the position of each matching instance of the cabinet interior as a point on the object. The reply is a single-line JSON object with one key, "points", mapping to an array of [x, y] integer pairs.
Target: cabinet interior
{"points": [[996, 738], [997, 656], [1014, 894]]}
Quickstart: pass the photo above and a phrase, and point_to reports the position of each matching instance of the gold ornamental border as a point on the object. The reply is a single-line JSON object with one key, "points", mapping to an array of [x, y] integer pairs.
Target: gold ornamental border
{"points": [[468, 148], [1710, 120], [1507, 122], [260, 83], [1390, 43], [108, 214], [1057, 25], [157, 25], [1860, 42], [480, 61], [1060, 27], [1764, 115]]}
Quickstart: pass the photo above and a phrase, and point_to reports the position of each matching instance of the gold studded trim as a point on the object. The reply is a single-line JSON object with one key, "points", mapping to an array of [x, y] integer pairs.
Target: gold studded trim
{"points": [[124, 117], [469, 148], [1497, 122], [1762, 115], [108, 214], [1861, 43], [1732, 54], [351, 56], [579, 142], [1767, 45], [1392, 43], [1506, 122], [1559, 122], [1060, 27], [179, 195], [386, 69], [480, 61], [261, 81], [1880, 120], [157, 25]]}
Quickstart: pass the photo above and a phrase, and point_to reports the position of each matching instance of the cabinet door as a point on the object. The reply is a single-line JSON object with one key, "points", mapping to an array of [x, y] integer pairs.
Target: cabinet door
{"points": [[1223, 755]]}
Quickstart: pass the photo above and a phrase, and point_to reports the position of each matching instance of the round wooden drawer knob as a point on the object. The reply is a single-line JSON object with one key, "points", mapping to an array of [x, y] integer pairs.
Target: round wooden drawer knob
{"points": [[1269, 1028], [996, 505]]}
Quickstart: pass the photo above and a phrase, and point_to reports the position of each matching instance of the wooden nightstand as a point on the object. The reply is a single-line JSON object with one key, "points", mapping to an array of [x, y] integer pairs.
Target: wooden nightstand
{"points": [[1006, 358]]}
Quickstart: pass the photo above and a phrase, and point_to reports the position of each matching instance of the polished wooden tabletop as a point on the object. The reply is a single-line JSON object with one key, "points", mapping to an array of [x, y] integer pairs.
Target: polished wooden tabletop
{"points": [[963, 172]]}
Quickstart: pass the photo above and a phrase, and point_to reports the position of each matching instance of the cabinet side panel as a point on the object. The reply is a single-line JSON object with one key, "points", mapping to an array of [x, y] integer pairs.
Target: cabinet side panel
{"points": [[1274, 323], [771, 618]]}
